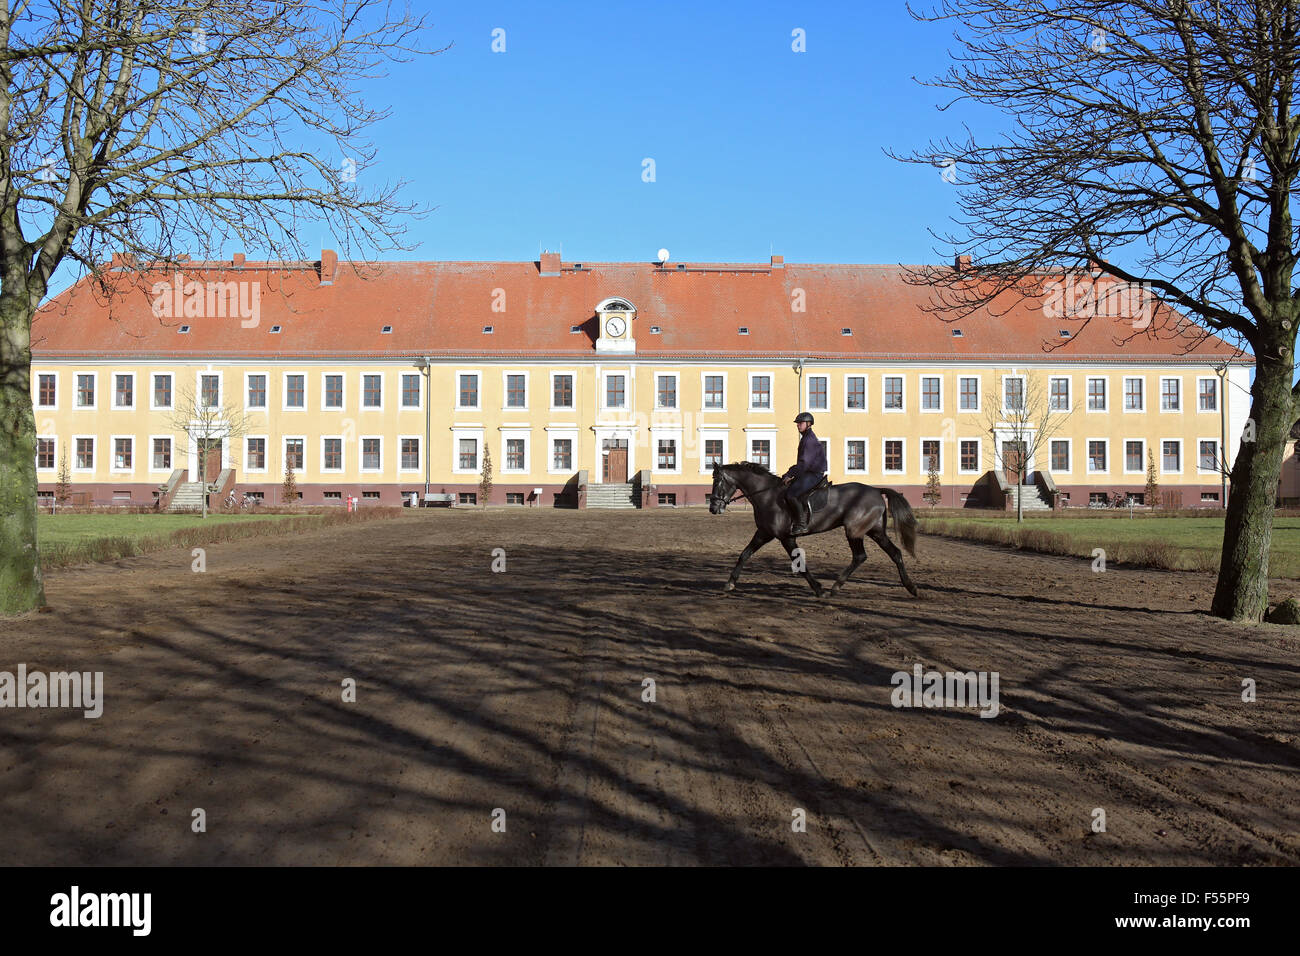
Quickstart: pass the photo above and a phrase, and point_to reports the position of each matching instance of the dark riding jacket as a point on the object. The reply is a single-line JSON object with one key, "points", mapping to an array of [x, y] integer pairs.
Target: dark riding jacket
{"points": [[812, 457]]}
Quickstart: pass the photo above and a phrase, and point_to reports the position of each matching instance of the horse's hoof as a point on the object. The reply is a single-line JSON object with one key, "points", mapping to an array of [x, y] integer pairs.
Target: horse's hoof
{"points": [[912, 590], [728, 586]]}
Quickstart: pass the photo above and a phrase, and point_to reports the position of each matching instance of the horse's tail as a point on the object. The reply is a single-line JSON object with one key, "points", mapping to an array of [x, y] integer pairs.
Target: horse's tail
{"points": [[903, 517]]}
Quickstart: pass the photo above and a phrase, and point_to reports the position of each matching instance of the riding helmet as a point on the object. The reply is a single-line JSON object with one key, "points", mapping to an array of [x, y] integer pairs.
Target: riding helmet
{"points": [[804, 417]]}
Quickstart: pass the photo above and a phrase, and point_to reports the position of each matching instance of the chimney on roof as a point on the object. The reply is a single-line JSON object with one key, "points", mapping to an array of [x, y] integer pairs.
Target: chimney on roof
{"points": [[962, 264], [237, 259], [329, 261], [122, 260], [549, 265], [778, 262]]}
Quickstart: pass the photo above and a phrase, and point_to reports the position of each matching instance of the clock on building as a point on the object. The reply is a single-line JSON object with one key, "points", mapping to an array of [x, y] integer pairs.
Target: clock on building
{"points": [[615, 327]]}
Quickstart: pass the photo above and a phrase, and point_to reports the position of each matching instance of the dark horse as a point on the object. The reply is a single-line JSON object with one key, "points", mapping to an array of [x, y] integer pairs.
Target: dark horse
{"points": [[859, 508]]}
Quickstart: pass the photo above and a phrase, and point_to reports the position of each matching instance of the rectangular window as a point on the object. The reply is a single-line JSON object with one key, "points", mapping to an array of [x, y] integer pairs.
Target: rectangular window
{"points": [[123, 391], [162, 391], [1059, 398], [255, 454], [210, 390], [372, 458], [333, 391], [1172, 455], [666, 392], [760, 452], [562, 454], [293, 453], [855, 395], [1013, 393], [1208, 395], [122, 453], [45, 453], [45, 390], [970, 393], [411, 391], [713, 394], [894, 392], [1132, 394], [760, 391], [295, 393], [411, 453], [667, 459], [514, 454], [257, 391], [1097, 456], [930, 393], [1096, 394], [1209, 456], [1170, 398], [1060, 455], [817, 389], [372, 391], [970, 454], [857, 456], [1133, 456], [162, 454], [712, 452], [333, 449], [614, 391], [468, 454], [85, 391], [562, 391], [469, 391], [894, 455], [930, 454], [86, 453], [516, 393]]}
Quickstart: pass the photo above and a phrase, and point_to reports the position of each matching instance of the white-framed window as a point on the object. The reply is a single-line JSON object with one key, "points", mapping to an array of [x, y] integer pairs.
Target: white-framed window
{"points": [[1135, 456], [468, 392], [761, 447], [931, 393], [408, 453], [1061, 456], [372, 454], [969, 455], [1134, 393], [1098, 456], [47, 453], [83, 453], [331, 391], [713, 448], [855, 393], [466, 451], [931, 454], [667, 453], [412, 390], [46, 394], [160, 453], [85, 396], [713, 391], [161, 394], [1207, 393], [855, 456], [1013, 394], [208, 390], [564, 385], [1171, 456], [256, 459], [256, 390], [514, 390], [1058, 393], [666, 388], [1171, 393], [331, 453], [372, 391], [760, 391], [295, 391], [295, 453], [968, 391], [515, 451], [614, 392], [1097, 397], [891, 387], [893, 455], [819, 393], [1207, 456], [123, 462], [561, 451]]}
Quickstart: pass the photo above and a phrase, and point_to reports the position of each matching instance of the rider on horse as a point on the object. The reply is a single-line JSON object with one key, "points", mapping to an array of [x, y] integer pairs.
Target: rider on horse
{"points": [[806, 473]]}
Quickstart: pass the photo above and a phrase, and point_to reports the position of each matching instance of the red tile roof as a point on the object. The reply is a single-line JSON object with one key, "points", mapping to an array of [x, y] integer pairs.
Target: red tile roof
{"points": [[439, 309]]}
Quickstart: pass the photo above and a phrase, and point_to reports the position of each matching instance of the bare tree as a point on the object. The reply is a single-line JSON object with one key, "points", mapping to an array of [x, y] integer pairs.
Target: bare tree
{"points": [[1155, 145], [209, 423], [1021, 418], [163, 129]]}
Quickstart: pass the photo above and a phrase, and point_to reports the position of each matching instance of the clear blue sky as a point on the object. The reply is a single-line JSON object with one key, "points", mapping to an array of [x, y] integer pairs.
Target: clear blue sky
{"points": [[757, 148]]}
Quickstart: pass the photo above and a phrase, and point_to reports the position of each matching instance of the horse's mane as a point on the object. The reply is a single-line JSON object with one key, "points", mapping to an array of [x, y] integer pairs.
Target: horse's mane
{"points": [[753, 468]]}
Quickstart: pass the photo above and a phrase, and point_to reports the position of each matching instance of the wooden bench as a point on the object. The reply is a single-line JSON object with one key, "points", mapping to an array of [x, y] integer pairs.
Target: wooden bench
{"points": [[433, 500]]}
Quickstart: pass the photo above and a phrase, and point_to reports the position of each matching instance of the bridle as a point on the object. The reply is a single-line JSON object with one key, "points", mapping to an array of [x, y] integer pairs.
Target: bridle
{"points": [[721, 505]]}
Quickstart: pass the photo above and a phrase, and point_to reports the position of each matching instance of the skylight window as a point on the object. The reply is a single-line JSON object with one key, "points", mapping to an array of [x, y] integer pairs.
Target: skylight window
{"points": [[182, 330], [275, 329], [956, 333], [743, 330], [575, 328], [386, 330], [655, 330], [487, 330], [846, 331], [1064, 333]]}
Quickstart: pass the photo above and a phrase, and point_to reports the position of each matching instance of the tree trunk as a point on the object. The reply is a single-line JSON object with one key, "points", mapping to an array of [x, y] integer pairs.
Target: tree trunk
{"points": [[1242, 590], [21, 585]]}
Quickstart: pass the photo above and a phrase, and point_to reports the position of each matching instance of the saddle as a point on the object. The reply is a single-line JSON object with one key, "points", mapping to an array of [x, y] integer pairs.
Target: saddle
{"points": [[815, 500]]}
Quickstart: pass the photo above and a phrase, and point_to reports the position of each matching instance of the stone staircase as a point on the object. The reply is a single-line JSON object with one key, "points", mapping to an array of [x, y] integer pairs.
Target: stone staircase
{"points": [[1032, 499], [188, 497], [610, 496]]}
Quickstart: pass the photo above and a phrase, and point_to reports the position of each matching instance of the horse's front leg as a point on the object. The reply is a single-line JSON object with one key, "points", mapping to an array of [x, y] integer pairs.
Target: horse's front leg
{"points": [[756, 542], [813, 583]]}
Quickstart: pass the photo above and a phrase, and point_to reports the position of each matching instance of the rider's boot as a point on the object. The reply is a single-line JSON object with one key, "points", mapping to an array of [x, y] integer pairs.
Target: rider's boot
{"points": [[799, 517]]}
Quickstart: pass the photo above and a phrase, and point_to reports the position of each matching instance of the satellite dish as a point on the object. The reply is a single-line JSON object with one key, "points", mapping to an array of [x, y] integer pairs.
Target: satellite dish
{"points": [[663, 255]]}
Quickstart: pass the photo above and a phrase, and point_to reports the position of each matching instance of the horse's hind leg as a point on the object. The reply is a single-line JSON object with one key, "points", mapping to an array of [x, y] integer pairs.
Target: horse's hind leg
{"points": [[755, 543], [813, 583], [877, 534], [859, 555]]}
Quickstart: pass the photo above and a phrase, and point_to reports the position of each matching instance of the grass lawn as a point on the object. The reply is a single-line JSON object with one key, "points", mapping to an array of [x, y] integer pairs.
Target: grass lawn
{"points": [[73, 528]]}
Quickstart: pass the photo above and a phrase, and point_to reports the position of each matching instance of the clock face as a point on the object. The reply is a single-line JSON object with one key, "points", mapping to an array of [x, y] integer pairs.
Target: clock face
{"points": [[615, 327]]}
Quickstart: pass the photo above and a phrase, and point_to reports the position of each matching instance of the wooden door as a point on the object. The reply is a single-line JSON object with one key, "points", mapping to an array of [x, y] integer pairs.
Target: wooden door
{"points": [[616, 463], [1013, 461], [212, 466]]}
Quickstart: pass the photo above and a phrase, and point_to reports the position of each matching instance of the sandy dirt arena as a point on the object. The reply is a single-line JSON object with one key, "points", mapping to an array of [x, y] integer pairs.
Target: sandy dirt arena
{"points": [[522, 691]]}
